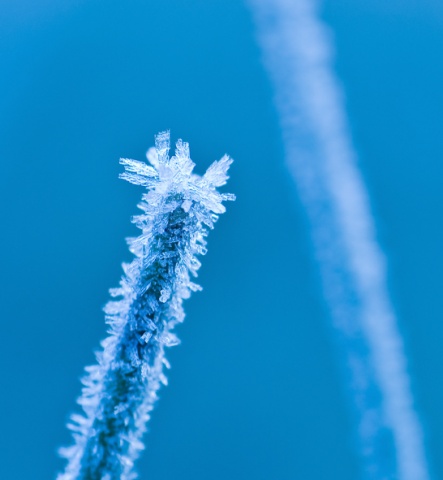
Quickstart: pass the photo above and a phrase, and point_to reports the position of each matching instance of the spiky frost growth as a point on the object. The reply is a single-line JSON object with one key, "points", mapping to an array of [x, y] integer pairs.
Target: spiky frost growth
{"points": [[119, 392]]}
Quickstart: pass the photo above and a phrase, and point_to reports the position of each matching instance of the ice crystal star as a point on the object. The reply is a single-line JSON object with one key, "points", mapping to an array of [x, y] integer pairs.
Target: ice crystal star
{"points": [[121, 389]]}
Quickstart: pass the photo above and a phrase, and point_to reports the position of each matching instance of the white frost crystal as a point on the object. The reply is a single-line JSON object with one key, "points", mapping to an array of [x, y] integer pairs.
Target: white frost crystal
{"points": [[120, 390]]}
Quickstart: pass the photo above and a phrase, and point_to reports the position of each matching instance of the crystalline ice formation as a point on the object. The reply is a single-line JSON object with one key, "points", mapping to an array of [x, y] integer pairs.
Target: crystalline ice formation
{"points": [[121, 389]]}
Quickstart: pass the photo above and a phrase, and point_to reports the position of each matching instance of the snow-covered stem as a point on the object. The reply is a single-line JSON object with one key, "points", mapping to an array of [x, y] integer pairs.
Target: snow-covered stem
{"points": [[121, 389]]}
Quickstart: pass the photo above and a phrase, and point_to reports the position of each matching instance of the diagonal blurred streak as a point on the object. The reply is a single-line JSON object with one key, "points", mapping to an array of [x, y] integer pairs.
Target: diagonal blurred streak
{"points": [[320, 157]]}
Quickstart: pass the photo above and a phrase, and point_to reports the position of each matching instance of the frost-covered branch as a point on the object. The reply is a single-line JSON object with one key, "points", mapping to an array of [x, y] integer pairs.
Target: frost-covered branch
{"points": [[322, 161], [121, 389]]}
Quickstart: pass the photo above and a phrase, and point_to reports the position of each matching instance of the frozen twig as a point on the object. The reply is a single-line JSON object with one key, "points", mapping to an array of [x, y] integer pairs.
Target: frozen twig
{"points": [[121, 389]]}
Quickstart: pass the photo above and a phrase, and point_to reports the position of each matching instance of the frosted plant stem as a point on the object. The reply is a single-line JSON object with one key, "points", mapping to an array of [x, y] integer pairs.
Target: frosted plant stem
{"points": [[321, 160], [120, 391]]}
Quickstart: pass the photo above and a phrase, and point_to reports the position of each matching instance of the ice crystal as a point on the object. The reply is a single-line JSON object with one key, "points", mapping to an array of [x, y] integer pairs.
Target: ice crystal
{"points": [[120, 390]]}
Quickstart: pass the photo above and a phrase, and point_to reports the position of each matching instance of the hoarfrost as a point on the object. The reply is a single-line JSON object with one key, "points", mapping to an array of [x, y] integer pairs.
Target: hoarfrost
{"points": [[122, 388]]}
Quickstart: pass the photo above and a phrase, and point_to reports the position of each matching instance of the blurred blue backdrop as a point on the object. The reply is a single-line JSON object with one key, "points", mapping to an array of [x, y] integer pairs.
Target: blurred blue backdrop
{"points": [[255, 389]]}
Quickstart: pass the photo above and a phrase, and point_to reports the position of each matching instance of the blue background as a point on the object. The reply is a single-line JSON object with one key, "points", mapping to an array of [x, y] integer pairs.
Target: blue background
{"points": [[255, 389]]}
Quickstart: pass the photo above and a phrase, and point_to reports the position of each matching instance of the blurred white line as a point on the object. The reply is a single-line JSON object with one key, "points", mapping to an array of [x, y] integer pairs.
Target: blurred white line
{"points": [[321, 159]]}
